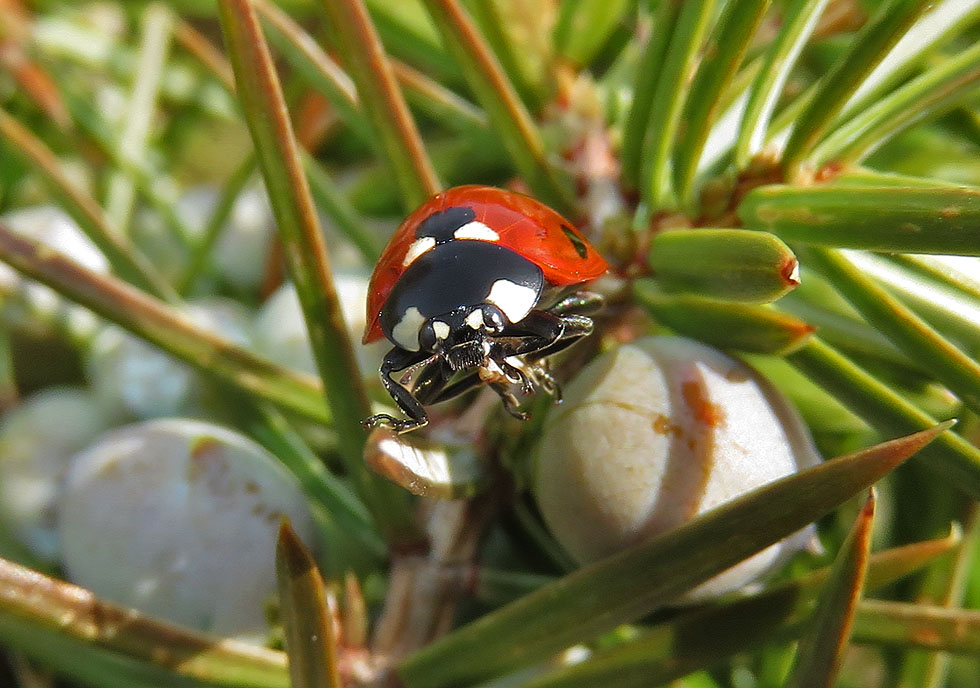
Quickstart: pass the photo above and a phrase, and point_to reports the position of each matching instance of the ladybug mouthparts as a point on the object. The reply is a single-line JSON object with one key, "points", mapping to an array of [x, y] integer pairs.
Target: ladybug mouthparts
{"points": [[469, 354]]}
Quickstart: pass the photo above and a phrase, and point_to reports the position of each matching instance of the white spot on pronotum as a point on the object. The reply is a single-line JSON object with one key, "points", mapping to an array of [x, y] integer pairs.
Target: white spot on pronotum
{"points": [[418, 247], [406, 332], [441, 329], [514, 300], [475, 319], [476, 230]]}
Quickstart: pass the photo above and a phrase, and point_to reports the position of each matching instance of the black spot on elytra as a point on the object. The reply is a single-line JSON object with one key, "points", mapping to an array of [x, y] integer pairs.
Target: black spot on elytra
{"points": [[580, 248], [440, 226]]}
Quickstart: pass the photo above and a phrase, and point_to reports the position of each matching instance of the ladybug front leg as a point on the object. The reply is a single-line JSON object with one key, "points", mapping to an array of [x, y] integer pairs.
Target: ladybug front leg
{"points": [[511, 404], [574, 328], [544, 333], [431, 382], [440, 393], [431, 387], [399, 359]]}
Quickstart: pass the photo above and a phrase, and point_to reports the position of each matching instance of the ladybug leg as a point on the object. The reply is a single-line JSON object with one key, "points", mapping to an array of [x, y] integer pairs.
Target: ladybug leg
{"points": [[532, 376], [400, 359], [579, 303], [517, 376], [431, 386], [408, 372], [464, 384], [435, 394], [545, 380], [510, 401], [544, 333], [574, 327], [432, 389], [431, 382], [538, 330]]}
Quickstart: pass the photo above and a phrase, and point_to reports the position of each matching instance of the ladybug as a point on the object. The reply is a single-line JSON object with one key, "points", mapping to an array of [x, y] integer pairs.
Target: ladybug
{"points": [[477, 286]]}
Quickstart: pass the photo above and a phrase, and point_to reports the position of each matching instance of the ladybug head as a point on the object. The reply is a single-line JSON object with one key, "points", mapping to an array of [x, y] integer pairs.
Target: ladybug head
{"points": [[460, 336]]}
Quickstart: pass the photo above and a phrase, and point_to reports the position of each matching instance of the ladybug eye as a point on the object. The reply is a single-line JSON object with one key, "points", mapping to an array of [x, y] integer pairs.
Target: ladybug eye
{"points": [[580, 248], [433, 332], [493, 319]]}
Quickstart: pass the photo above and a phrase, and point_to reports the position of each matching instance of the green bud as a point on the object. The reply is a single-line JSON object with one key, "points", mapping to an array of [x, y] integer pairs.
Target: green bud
{"points": [[742, 327], [728, 264]]}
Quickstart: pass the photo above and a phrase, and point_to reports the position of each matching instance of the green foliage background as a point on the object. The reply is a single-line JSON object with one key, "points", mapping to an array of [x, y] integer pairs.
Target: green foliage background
{"points": [[704, 146]]}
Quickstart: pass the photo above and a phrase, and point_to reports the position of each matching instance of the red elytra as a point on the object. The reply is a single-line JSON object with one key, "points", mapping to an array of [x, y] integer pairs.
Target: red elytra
{"points": [[524, 225]]}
